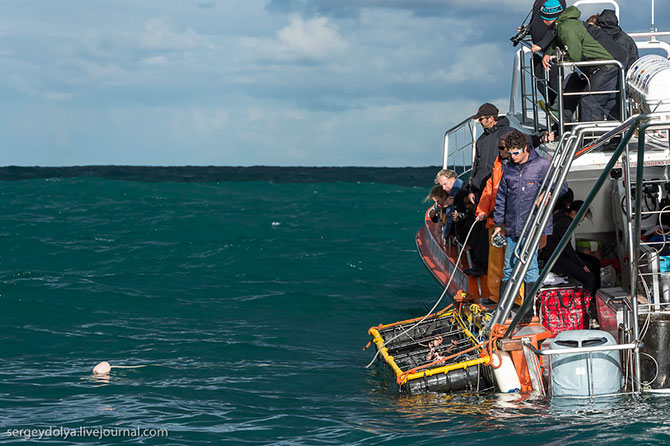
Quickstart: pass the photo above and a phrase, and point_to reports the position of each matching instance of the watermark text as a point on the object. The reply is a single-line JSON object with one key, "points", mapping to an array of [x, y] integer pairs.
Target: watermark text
{"points": [[98, 432]]}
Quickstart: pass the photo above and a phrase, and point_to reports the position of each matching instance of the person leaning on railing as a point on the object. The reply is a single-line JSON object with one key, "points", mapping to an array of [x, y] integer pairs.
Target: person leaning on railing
{"points": [[542, 35], [448, 180], [440, 210], [579, 45]]}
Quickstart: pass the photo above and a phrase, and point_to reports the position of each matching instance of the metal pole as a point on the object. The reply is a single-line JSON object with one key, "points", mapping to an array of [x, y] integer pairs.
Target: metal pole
{"points": [[533, 89], [622, 93], [653, 8], [445, 150], [522, 70], [627, 179], [473, 129], [636, 246], [547, 106], [560, 98]]}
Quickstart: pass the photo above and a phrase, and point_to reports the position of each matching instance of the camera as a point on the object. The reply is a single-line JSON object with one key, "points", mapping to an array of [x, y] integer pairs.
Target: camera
{"points": [[559, 56], [498, 241], [523, 31]]}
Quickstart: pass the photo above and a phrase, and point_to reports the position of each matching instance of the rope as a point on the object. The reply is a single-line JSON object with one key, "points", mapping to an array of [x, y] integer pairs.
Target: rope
{"points": [[446, 288], [497, 332]]}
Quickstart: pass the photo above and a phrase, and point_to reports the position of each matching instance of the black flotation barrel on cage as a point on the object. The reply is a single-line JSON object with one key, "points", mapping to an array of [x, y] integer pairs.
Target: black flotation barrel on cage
{"points": [[438, 354]]}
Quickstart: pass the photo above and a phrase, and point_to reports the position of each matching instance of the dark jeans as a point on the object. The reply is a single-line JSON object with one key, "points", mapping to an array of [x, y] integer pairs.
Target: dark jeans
{"points": [[594, 107], [478, 241]]}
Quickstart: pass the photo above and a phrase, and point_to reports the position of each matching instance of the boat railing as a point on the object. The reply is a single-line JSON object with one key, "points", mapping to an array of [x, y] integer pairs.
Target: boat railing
{"points": [[569, 351], [653, 43], [529, 82], [524, 76], [653, 308], [459, 147], [620, 92]]}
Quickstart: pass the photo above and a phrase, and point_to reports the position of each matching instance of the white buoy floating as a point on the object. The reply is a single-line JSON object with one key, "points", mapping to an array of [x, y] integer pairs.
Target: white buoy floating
{"points": [[105, 367], [102, 369]]}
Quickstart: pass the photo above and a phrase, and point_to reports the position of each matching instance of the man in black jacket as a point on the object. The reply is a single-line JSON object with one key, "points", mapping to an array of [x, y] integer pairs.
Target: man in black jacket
{"points": [[486, 152], [486, 148]]}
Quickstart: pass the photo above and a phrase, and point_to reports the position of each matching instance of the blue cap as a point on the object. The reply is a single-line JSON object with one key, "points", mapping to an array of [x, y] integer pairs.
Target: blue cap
{"points": [[551, 10]]}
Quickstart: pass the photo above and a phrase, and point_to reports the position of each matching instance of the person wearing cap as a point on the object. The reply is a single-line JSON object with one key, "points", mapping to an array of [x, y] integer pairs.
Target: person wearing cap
{"points": [[579, 45], [486, 152], [486, 148]]}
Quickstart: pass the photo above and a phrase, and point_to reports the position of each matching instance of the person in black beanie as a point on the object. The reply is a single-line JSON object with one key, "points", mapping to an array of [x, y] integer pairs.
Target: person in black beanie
{"points": [[608, 22]]}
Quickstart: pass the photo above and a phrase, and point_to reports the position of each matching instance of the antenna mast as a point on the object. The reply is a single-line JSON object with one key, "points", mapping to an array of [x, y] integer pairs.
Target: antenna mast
{"points": [[653, 28]]}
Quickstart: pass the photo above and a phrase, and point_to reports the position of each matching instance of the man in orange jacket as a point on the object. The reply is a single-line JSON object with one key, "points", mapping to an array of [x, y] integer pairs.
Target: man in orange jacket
{"points": [[485, 211]]}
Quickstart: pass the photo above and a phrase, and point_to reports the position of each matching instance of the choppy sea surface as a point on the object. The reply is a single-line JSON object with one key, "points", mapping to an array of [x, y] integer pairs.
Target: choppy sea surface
{"points": [[246, 296]]}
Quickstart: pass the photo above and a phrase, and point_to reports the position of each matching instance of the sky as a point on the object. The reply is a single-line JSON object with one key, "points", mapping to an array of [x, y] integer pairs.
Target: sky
{"points": [[253, 82]]}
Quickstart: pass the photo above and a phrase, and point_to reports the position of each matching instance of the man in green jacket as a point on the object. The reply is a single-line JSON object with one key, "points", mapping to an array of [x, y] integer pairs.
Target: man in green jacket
{"points": [[579, 45]]}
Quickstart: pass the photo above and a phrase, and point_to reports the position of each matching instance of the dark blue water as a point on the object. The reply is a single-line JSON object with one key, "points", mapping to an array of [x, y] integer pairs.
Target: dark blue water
{"points": [[248, 302]]}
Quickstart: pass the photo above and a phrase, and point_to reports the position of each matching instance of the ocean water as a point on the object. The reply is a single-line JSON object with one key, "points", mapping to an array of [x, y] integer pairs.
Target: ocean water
{"points": [[245, 295]]}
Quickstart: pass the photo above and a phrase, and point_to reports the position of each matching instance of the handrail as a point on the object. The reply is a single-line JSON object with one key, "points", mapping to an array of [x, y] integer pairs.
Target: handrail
{"points": [[447, 154], [590, 63], [650, 34], [520, 54], [560, 94], [564, 351], [604, 138], [599, 2]]}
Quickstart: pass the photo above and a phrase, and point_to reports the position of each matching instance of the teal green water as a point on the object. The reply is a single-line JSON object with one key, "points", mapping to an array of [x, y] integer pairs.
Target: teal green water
{"points": [[249, 304]]}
